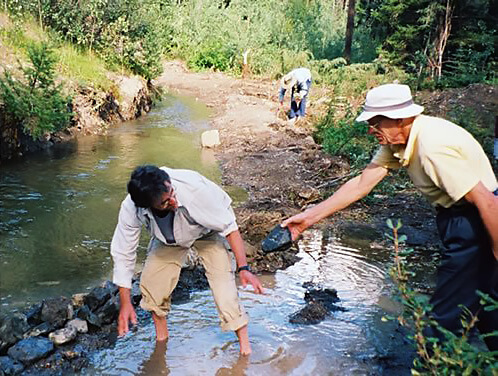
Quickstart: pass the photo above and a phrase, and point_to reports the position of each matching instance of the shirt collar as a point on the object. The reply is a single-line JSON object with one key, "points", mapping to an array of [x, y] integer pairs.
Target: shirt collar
{"points": [[405, 156]]}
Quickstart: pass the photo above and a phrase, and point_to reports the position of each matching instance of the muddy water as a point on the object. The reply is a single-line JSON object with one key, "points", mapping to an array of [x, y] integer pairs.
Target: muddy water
{"points": [[346, 343], [57, 215]]}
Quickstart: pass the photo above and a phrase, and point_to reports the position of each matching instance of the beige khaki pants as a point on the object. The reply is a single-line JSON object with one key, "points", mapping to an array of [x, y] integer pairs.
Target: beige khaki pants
{"points": [[162, 270]]}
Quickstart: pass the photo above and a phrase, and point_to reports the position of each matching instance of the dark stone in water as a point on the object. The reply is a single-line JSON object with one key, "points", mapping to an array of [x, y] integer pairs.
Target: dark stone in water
{"points": [[31, 349], [33, 314], [279, 239], [320, 302], [327, 297], [97, 297], [191, 279], [180, 294], [9, 366], [84, 313], [42, 329], [56, 310], [136, 294], [111, 287], [109, 311], [312, 313], [12, 329]]}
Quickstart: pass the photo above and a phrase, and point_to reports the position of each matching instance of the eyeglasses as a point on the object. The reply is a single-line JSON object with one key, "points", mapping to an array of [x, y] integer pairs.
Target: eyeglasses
{"points": [[374, 126]]}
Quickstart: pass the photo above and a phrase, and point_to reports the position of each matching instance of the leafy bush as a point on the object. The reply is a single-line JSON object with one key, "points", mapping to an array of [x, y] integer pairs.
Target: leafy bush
{"points": [[213, 55], [130, 34], [37, 103]]}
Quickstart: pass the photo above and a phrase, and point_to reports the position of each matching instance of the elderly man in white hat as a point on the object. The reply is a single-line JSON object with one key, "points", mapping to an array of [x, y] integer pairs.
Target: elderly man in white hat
{"points": [[451, 169], [298, 82]]}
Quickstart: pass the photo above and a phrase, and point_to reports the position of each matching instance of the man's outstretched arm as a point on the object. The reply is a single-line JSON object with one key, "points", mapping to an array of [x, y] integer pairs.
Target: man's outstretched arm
{"points": [[351, 191]]}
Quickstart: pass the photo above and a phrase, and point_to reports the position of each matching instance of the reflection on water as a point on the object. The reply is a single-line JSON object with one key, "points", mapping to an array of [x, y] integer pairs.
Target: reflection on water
{"points": [[58, 208], [342, 344]]}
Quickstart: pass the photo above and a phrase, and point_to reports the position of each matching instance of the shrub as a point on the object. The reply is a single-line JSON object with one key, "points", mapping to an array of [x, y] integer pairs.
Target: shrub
{"points": [[36, 102], [455, 355], [213, 55]]}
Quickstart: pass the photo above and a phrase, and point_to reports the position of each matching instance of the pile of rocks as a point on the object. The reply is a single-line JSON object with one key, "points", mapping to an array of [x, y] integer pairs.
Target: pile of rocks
{"points": [[57, 335], [46, 328]]}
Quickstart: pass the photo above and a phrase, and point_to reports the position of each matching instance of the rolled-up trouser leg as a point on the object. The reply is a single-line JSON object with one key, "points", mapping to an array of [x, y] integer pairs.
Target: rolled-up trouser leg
{"points": [[467, 265], [218, 265], [160, 276]]}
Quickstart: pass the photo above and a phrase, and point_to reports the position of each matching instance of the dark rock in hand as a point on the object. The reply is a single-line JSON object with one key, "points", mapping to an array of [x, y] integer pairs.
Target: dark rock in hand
{"points": [[279, 239]]}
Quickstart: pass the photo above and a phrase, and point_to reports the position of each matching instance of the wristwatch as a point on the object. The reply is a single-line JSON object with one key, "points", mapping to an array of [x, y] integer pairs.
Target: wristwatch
{"points": [[244, 267]]}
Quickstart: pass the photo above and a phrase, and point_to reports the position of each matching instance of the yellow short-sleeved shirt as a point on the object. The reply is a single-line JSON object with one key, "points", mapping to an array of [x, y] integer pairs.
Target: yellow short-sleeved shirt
{"points": [[443, 160]]}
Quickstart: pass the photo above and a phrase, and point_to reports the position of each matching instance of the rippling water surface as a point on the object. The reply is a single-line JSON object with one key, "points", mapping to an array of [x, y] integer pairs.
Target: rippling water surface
{"points": [[345, 343]]}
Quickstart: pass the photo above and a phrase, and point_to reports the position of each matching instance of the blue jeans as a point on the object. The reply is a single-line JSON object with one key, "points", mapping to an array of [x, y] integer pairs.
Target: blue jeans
{"points": [[467, 265], [299, 110]]}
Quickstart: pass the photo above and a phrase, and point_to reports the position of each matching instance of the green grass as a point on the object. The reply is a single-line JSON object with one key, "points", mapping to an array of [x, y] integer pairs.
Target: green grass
{"points": [[82, 67], [75, 66]]}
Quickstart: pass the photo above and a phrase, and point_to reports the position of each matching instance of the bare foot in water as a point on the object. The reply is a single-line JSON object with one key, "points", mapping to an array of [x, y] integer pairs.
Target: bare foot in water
{"points": [[162, 333], [245, 346]]}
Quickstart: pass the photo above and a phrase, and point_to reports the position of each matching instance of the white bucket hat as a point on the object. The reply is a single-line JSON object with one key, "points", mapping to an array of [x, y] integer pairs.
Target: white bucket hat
{"points": [[288, 81], [392, 100]]}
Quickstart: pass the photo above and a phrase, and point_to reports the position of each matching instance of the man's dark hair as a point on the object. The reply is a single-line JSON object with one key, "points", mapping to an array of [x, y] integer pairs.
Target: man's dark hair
{"points": [[147, 184]]}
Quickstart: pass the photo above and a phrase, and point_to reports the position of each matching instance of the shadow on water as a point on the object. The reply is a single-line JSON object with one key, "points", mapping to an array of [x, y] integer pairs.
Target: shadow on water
{"points": [[354, 342]]}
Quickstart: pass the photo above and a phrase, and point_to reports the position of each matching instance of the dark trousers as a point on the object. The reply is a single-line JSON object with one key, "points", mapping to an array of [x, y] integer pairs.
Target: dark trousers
{"points": [[467, 265]]}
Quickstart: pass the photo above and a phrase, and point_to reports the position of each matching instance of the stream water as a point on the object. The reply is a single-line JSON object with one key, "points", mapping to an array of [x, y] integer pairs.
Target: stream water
{"points": [[58, 210]]}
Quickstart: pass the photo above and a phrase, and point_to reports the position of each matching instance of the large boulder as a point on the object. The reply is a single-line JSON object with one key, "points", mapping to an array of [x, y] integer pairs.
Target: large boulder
{"points": [[12, 329], [97, 297], [57, 311], [31, 349]]}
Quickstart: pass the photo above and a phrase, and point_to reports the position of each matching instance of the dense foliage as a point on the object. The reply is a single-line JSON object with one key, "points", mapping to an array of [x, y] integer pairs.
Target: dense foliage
{"points": [[125, 33], [443, 42], [37, 101]]}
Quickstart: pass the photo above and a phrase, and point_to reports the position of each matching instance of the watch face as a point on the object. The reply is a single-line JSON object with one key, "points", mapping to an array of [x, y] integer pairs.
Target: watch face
{"points": [[279, 239]]}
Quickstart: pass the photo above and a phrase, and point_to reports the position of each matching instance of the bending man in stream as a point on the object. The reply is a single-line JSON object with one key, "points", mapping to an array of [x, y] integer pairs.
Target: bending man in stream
{"points": [[451, 169], [181, 209]]}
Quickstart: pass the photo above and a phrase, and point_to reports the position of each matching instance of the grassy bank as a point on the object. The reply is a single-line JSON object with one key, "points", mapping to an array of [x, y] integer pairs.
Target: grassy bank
{"points": [[74, 66]]}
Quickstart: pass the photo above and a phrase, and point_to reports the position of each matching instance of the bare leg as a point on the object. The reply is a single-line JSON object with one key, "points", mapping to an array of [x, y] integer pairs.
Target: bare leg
{"points": [[245, 346], [161, 325]]}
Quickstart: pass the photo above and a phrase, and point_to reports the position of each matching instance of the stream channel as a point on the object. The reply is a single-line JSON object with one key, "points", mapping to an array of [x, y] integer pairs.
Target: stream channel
{"points": [[58, 210]]}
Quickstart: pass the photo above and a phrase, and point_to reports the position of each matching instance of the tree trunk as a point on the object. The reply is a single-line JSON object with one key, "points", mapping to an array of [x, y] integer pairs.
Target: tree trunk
{"points": [[443, 36], [349, 30]]}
